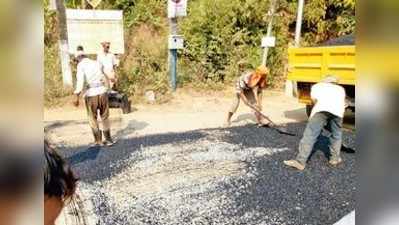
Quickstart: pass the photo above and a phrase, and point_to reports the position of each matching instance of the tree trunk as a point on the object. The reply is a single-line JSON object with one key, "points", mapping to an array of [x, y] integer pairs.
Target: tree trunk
{"points": [[63, 43], [62, 23], [84, 4]]}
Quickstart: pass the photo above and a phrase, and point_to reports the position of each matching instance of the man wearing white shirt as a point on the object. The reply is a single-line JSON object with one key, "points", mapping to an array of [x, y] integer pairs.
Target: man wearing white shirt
{"points": [[95, 96], [328, 111], [108, 63]]}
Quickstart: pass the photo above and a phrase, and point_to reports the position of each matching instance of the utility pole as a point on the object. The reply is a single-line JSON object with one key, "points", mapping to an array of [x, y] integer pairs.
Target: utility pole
{"points": [[63, 43], [83, 4], [173, 55], [176, 8], [269, 30], [291, 86], [299, 23]]}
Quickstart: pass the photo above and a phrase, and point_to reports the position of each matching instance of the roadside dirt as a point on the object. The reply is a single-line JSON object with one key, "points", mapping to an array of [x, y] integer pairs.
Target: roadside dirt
{"points": [[189, 110]]}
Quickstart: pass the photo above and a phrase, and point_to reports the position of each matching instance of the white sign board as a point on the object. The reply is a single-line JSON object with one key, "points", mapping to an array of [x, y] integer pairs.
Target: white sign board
{"points": [[176, 42], [268, 42], [177, 8], [89, 28]]}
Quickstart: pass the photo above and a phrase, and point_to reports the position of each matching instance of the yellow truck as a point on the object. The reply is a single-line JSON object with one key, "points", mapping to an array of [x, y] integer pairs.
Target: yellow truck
{"points": [[308, 65]]}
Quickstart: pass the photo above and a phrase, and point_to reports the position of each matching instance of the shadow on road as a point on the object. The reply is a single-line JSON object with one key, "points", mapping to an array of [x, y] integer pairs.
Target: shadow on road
{"points": [[90, 153], [92, 164], [131, 127], [297, 114], [48, 126]]}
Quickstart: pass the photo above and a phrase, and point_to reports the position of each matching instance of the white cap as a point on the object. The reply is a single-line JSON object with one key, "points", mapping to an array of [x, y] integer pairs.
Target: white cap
{"points": [[330, 79]]}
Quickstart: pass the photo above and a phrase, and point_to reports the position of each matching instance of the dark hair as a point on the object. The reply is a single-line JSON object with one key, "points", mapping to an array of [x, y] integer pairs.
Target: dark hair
{"points": [[80, 48], [59, 180]]}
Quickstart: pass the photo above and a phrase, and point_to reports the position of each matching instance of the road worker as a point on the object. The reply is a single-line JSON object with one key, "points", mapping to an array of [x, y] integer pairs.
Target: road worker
{"points": [[108, 63], [95, 96], [328, 112], [248, 89]]}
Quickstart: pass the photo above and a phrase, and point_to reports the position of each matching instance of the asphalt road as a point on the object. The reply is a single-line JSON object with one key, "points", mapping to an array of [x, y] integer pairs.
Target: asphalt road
{"points": [[213, 176]]}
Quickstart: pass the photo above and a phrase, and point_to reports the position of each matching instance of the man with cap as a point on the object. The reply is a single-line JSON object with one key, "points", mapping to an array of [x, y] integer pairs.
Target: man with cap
{"points": [[108, 63], [96, 98], [328, 112], [249, 88]]}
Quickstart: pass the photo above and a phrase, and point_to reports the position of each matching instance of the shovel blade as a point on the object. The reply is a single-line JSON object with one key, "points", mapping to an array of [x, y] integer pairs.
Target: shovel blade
{"points": [[281, 130]]}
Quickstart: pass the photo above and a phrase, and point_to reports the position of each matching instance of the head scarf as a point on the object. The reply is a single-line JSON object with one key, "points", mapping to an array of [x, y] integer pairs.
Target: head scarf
{"points": [[259, 77]]}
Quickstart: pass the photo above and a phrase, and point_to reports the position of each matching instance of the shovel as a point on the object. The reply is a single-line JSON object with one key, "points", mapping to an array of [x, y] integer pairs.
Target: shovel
{"points": [[274, 126]]}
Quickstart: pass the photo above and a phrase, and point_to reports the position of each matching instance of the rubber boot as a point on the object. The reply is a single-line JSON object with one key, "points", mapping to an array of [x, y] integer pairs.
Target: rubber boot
{"points": [[108, 139], [97, 136]]}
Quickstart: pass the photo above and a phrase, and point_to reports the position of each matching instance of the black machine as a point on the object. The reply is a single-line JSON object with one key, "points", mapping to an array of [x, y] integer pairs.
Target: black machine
{"points": [[119, 100]]}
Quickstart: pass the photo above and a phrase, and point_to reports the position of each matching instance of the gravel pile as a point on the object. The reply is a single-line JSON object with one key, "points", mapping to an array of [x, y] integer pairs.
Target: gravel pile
{"points": [[213, 176]]}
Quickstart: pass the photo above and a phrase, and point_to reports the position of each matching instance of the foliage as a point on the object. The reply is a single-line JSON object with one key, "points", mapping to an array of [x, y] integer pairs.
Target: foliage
{"points": [[223, 37], [143, 11], [145, 65], [327, 19], [50, 25]]}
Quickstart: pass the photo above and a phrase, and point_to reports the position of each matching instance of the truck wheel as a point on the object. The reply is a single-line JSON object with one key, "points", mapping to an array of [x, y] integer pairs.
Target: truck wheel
{"points": [[309, 110]]}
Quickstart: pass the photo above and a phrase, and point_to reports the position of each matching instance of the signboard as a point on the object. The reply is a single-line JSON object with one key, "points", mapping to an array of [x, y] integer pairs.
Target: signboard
{"points": [[177, 8], [268, 42], [176, 42], [89, 28]]}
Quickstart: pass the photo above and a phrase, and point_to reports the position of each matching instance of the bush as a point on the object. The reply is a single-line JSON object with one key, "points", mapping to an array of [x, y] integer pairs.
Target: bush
{"points": [[144, 67], [223, 37]]}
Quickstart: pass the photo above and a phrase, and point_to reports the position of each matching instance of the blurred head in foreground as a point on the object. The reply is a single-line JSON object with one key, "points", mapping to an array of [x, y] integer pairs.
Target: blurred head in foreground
{"points": [[18, 180], [59, 184]]}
